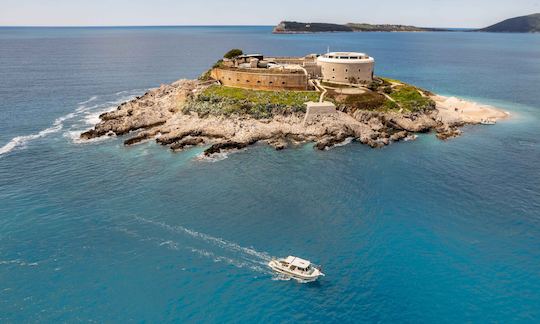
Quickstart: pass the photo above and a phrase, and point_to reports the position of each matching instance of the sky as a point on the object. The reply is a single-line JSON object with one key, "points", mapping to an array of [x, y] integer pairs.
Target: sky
{"points": [[425, 13]]}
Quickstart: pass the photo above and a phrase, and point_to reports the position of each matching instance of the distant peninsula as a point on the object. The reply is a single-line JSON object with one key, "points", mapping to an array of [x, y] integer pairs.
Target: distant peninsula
{"points": [[329, 100], [293, 27], [523, 24]]}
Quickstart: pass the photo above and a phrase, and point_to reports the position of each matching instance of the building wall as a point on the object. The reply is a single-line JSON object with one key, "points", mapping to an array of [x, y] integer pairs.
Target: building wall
{"points": [[261, 81], [347, 71]]}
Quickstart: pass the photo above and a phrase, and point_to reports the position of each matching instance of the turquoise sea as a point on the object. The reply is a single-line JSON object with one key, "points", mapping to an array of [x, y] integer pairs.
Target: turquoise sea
{"points": [[423, 231]]}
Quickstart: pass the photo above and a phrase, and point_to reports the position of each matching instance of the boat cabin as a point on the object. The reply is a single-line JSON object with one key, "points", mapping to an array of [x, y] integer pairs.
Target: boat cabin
{"points": [[297, 264]]}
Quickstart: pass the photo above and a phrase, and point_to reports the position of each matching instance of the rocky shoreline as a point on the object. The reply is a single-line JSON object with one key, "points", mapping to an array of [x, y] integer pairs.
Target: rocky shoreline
{"points": [[158, 115]]}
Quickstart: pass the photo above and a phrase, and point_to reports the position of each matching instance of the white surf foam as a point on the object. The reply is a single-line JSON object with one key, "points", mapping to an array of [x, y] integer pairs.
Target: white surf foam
{"points": [[93, 98], [216, 157], [347, 141], [21, 141], [18, 262], [91, 117]]}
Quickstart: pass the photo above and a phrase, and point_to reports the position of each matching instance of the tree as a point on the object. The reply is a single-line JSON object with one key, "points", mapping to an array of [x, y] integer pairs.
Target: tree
{"points": [[233, 53]]}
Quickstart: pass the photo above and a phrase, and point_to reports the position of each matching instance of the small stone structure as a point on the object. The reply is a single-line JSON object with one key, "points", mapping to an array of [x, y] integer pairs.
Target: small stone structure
{"points": [[318, 109]]}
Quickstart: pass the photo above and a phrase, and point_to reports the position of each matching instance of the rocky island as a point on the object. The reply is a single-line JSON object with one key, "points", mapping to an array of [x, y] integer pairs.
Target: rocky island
{"points": [[523, 24], [293, 27], [283, 101]]}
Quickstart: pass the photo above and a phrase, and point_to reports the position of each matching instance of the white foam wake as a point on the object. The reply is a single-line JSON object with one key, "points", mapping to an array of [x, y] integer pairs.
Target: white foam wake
{"points": [[172, 245], [227, 245]]}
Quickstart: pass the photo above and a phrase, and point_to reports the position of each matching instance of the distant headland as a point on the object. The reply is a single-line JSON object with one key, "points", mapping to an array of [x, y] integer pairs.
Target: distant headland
{"points": [[293, 27], [326, 99], [524, 24]]}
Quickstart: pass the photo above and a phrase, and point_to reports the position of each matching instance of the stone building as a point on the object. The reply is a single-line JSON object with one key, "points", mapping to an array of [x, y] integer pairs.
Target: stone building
{"points": [[254, 71], [346, 67]]}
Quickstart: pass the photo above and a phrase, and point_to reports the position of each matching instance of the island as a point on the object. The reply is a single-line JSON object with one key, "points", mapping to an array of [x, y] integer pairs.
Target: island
{"points": [[523, 24], [293, 27], [327, 99]]}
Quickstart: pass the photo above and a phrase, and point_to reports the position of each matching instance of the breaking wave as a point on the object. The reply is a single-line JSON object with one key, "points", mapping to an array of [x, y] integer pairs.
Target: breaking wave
{"points": [[84, 116], [18, 262], [20, 142]]}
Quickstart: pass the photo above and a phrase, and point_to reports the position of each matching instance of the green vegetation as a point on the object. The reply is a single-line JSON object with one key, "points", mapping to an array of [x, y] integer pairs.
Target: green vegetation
{"points": [[524, 24], [365, 101], [410, 99], [233, 53], [220, 100], [385, 95]]}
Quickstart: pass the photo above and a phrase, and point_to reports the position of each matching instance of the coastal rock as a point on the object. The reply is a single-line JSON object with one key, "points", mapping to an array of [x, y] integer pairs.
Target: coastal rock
{"points": [[224, 146], [160, 114], [447, 132], [186, 142]]}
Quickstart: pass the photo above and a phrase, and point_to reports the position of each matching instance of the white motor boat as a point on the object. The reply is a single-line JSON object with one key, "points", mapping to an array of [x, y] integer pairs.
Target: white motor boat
{"points": [[296, 268]]}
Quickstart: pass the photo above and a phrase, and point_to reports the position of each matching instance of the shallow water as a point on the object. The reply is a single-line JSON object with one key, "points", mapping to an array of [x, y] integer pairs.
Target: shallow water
{"points": [[420, 231]]}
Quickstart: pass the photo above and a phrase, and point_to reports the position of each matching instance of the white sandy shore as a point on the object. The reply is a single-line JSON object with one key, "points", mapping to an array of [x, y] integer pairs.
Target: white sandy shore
{"points": [[453, 110]]}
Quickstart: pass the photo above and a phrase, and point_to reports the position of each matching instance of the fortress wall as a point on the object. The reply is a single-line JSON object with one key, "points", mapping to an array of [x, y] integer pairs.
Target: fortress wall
{"points": [[261, 81], [345, 72]]}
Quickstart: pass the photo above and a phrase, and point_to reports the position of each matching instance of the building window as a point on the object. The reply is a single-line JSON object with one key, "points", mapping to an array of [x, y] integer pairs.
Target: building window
{"points": [[271, 82], [333, 70], [247, 81], [283, 82], [259, 81], [346, 70]]}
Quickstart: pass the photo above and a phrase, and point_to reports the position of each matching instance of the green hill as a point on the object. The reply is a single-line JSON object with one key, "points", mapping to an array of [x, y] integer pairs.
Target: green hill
{"points": [[293, 27], [524, 24]]}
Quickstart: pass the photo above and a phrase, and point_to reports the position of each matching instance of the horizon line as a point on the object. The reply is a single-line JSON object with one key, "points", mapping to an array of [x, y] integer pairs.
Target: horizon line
{"points": [[187, 25]]}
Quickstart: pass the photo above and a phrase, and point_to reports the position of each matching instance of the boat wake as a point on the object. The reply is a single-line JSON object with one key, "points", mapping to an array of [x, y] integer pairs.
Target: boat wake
{"points": [[262, 257], [238, 260], [231, 253]]}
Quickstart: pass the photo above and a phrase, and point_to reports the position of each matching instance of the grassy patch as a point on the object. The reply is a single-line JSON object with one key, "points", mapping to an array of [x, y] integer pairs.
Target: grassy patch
{"points": [[388, 80], [410, 99], [365, 101], [219, 100]]}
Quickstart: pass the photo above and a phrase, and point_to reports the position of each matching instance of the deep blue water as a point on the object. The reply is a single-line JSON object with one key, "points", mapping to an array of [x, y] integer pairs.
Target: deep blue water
{"points": [[423, 231]]}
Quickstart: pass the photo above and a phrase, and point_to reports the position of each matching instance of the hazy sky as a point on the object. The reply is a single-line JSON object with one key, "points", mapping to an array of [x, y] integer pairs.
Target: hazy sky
{"points": [[428, 13]]}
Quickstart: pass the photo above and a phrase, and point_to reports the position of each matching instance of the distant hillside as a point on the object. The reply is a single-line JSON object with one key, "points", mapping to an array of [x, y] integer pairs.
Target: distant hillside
{"points": [[524, 24], [293, 27], [390, 28]]}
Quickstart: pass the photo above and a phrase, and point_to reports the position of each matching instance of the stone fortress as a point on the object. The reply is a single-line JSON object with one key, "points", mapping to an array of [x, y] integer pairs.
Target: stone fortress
{"points": [[254, 71]]}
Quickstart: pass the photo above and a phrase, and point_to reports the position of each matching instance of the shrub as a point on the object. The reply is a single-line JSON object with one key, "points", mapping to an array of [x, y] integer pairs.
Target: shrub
{"points": [[233, 53]]}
